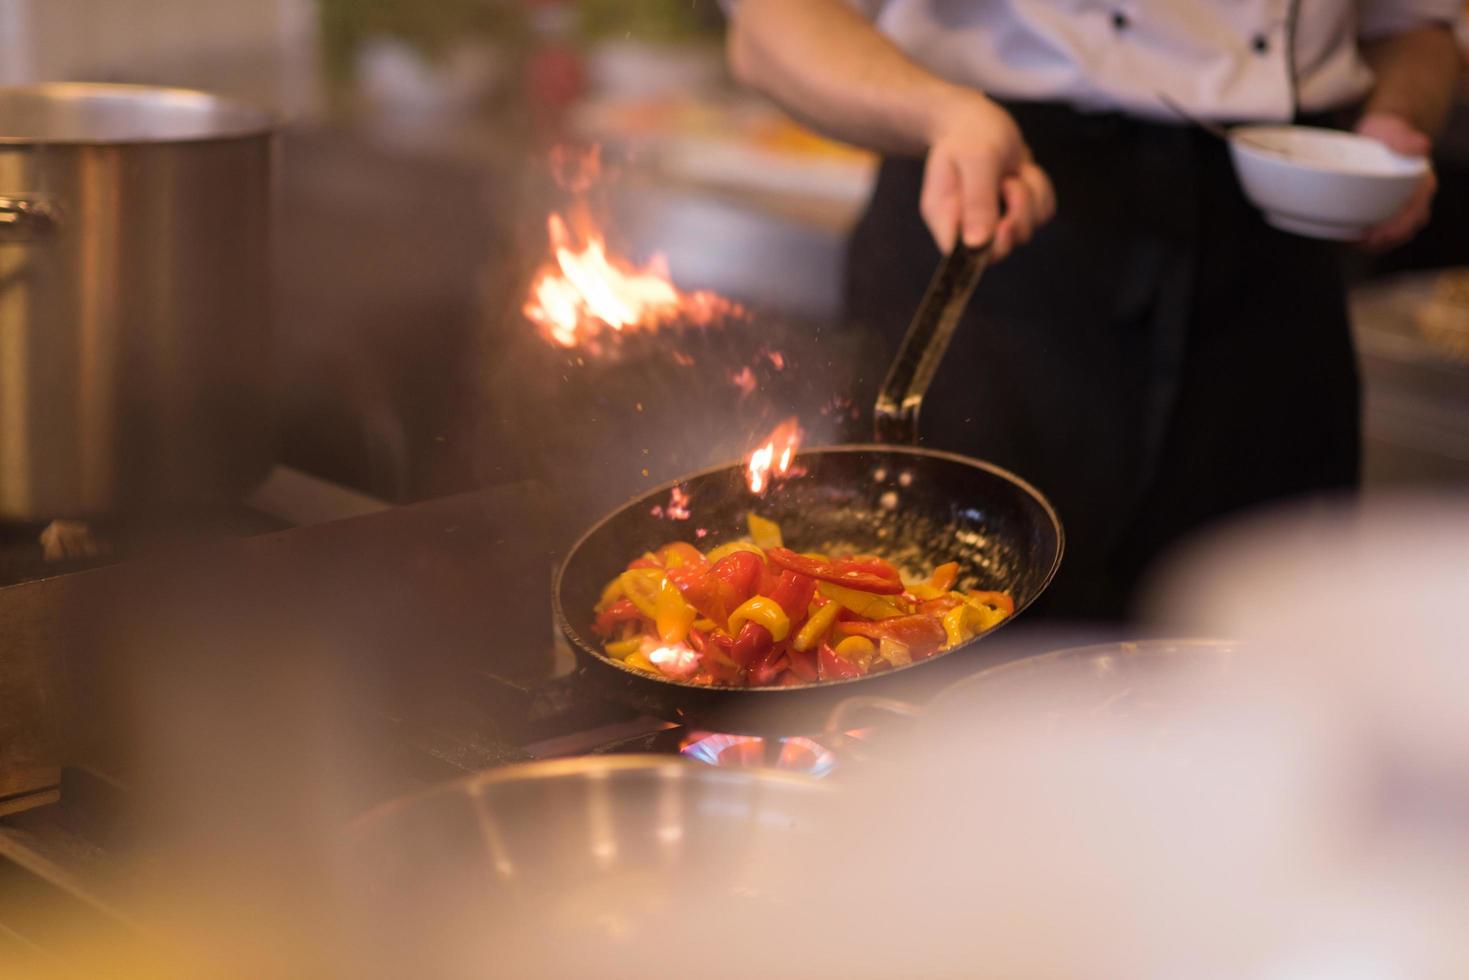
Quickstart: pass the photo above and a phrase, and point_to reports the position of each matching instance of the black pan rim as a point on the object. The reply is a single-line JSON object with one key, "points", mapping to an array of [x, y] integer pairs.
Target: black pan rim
{"points": [[564, 624]]}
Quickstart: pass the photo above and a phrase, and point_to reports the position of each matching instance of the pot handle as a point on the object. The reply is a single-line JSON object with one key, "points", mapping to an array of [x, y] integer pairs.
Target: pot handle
{"points": [[840, 719], [26, 220]]}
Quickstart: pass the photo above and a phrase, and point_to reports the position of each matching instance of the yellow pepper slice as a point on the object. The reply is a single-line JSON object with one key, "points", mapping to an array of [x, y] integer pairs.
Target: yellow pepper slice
{"points": [[862, 603], [674, 614], [621, 648], [963, 623], [985, 615], [730, 547], [894, 652], [816, 626], [659, 599], [1002, 601], [706, 625], [678, 554], [856, 649], [610, 594], [765, 533], [945, 576], [926, 590], [641, 662], [642, 586], [765, 611]]}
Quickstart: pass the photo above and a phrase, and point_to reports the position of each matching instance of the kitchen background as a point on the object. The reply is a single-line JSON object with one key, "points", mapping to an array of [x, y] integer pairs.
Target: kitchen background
{"points": [[416, 179], [415, 184]]}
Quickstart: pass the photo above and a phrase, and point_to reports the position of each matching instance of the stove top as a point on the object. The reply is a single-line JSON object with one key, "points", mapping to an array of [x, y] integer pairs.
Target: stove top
{"points": [[422, 634], [34, 551], [287, 498]]}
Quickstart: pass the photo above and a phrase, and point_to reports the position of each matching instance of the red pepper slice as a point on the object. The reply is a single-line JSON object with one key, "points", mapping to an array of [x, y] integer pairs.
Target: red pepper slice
{"points": [[793, 592], [751, 646], [686, 576], [769, 578], [619, 612], [717, 590], [765, 673], [741, 570], [880, 567], [718, 660], [922, 635], [803, 664], [831, 667], [711, 596], [725, 674], [941, 605], [862, 574]]}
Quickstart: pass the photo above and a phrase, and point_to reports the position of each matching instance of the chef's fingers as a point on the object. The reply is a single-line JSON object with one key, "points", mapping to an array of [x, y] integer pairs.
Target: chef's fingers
{"points": [[982, 206], [1407, 222], [940, 201], [1397, 133], [1403, 137], [1041, 191], [1392, 232], [1019, 221], [980, 174]]}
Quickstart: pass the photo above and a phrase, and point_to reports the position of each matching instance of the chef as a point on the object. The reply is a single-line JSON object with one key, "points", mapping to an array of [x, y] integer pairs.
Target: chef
{"points": [[1151, 354]]}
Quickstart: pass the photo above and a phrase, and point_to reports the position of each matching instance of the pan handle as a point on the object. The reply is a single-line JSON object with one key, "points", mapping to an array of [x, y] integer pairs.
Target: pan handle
{"points": [[26, 220], [895, 417], [841, 718]]}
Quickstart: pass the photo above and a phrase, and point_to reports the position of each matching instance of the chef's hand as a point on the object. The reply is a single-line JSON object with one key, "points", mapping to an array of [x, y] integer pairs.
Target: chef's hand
{"points": [[1401, 137], [976, 159]]}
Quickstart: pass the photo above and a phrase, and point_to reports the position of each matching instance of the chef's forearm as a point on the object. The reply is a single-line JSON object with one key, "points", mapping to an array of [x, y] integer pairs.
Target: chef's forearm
{"points": [[827, 65], [1416, 75]]}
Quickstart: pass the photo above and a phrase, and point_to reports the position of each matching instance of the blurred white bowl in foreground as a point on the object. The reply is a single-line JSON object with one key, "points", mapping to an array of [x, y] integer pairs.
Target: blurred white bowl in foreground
{"points": [[1322, 183]]}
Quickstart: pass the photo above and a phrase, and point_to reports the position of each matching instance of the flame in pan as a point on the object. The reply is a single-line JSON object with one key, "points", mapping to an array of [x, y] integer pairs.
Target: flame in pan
{"points": [[773, 458]]}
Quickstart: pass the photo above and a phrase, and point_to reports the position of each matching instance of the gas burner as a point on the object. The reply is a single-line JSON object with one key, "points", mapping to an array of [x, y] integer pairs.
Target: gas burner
{"points": [[812, 755], [793, 753]]}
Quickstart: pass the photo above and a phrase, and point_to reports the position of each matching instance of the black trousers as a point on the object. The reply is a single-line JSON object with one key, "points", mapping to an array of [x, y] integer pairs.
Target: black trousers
{"points": [[1155, 359]]}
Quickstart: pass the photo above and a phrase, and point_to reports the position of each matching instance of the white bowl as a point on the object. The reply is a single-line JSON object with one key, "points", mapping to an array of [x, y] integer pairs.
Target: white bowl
{"points": [[1322, 183]]}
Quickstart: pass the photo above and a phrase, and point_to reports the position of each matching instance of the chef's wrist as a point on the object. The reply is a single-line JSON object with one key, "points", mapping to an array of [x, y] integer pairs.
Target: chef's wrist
{"points": [[1415, 71], [951, 107]]}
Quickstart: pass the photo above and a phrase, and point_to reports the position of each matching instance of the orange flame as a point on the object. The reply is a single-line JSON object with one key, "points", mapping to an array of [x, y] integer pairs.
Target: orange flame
{"points": [[584, 291], [773, 459]]}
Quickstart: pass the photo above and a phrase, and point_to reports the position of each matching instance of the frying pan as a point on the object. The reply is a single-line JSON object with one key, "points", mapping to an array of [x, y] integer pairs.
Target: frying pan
{"points": [[914, 506]]}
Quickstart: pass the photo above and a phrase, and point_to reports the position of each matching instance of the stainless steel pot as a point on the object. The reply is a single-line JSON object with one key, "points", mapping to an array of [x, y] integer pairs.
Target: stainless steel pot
{"points": [[554, 868], [134, 298]]}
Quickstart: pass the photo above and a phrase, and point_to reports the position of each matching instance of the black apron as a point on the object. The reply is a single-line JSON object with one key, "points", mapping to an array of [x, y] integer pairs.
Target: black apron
{"points": [[1155, 359]]}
